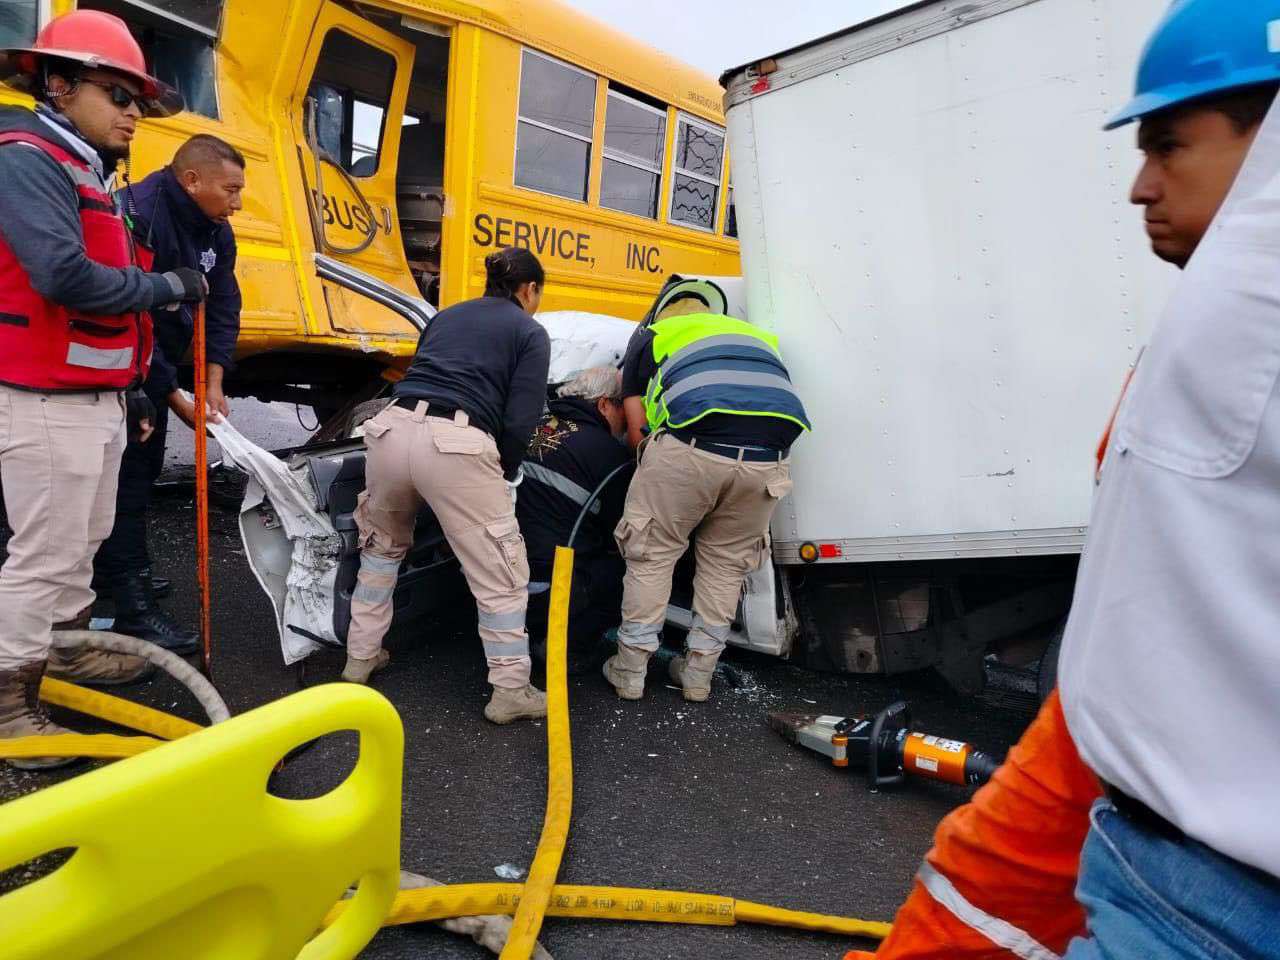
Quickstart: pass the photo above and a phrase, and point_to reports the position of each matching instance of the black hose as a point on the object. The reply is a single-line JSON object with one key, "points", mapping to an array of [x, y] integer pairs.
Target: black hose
{"points": [[595, 495]]}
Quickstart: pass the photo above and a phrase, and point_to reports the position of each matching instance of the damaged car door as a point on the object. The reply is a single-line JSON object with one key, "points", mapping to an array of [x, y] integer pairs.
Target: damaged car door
{"points": [[337, 477]]}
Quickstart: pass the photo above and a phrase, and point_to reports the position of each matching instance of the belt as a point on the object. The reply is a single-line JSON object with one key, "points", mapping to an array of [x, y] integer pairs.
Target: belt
{"points": [[434, 409], [745, 454], [1137, 812]]}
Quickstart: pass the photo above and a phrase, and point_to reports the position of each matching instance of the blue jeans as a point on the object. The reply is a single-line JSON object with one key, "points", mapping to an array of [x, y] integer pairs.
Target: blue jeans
{"points": [[1151, 897]]}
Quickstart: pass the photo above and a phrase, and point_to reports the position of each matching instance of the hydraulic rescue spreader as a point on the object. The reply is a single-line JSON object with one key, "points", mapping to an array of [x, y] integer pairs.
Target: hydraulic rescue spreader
{"points": [[886, 747]]}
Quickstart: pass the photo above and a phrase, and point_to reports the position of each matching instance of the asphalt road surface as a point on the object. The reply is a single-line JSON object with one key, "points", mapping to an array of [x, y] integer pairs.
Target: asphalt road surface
{"points": [[697, 797]]}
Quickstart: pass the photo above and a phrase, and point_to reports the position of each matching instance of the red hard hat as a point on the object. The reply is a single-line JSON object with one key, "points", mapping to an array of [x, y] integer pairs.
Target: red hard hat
{"points": [[99, 41]]}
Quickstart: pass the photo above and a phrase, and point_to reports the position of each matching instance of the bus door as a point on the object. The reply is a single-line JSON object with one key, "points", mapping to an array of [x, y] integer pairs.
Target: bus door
{"points": [[347, 113]]}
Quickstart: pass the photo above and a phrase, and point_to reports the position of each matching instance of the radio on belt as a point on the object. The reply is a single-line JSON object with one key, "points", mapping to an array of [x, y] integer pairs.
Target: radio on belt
{"points": [[886, 747]]}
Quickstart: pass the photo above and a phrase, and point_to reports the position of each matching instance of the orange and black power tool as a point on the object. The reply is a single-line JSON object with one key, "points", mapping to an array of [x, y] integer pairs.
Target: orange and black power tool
{"points": [[886, 747]]}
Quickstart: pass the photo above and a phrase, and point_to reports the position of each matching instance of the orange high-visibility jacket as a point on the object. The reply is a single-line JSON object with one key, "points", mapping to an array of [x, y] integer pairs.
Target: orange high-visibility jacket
{"points": [[1000, 880]]}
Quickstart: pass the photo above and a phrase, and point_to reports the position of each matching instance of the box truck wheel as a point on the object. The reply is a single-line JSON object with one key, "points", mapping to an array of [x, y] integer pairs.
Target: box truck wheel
{"points": [[845, 612], [1047, 673]]}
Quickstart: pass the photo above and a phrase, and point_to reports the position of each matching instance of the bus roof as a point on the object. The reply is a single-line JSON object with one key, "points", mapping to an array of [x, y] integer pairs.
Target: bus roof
{"points": [[561, 30]]}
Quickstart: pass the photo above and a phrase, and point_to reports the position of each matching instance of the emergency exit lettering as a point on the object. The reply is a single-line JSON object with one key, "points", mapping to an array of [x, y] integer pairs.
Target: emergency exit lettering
{"points": [[549, 241]]}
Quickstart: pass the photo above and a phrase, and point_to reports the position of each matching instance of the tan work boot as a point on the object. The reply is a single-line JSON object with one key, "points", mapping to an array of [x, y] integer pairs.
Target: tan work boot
{"points": [[626, 670], [693, 673], [97, 668], [359, 671], [516, 703], [21, 715], [93, 668]]}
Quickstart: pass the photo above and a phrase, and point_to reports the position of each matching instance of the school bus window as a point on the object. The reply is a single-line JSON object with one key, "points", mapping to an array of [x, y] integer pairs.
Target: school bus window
{"points": [[695, 184], [634, 136], [352, 88], [730, 215], [18, 20], [178, 38], [553, 133], [366, 134]]}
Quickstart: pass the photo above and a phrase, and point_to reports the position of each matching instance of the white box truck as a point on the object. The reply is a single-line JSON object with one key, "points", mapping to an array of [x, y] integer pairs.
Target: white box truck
{"points": [[936, 226]]}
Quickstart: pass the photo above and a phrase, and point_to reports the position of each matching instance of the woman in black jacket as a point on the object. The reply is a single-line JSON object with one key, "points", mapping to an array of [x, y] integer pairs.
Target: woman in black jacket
{"points": [[454, 437]]}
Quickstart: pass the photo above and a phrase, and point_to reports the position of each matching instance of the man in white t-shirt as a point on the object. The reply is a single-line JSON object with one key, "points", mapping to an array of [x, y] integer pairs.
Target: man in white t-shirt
{"points": [[1170, 670]]}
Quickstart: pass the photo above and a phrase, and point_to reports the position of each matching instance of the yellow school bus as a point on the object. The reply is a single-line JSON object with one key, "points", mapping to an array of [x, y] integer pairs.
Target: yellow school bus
{"points": [[391, 144]]}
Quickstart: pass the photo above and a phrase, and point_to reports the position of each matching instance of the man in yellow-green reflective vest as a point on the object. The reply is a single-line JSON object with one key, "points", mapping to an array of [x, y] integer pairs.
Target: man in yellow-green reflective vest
{"points": [[721, 414]]}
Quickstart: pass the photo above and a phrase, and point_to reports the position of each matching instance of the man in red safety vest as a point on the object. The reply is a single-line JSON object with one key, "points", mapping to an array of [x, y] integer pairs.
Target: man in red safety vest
{"points": [[75, 342], [1136, 816]]}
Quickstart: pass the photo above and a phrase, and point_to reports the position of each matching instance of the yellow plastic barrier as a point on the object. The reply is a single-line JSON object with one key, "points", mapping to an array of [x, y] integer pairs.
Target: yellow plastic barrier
{"points": [[181, 852]]}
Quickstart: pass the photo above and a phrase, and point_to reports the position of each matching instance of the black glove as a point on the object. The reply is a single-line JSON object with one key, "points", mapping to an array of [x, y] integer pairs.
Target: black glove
{"points": [[188, 285], [138, 407]]}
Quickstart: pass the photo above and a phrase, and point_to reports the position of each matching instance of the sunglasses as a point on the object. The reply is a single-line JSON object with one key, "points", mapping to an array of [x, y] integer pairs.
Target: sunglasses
{"points": [[120, 96]]}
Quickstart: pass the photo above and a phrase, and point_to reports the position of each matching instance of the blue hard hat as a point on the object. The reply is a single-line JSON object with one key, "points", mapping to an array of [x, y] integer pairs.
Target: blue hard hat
{"points": [[1205, 47]]}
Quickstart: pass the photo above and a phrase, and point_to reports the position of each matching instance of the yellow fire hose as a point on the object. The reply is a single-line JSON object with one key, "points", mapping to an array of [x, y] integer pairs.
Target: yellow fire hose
{"points": [[539, 895], [530, 902], [555, 824], [123, 713], [100, 746], [611, 903]]}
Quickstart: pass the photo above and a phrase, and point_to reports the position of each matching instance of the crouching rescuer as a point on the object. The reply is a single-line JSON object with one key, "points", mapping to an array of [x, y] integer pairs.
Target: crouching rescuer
{"points": [[722, 414], [574, 451], [75, 343], [454, 438]]}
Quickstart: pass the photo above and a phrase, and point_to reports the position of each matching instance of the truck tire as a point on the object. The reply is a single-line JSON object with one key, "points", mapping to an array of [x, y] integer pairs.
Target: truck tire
{"points": [[809, 648]]}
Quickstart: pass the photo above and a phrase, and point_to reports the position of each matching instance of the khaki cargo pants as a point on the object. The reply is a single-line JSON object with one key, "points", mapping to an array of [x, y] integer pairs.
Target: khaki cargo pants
{"points": [[60, 461], [454, 468], [680, 491]]}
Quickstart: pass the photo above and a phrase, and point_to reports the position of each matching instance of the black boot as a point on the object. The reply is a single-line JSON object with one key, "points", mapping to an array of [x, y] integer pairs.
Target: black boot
{"points": [[159, 586], [138, 616]]}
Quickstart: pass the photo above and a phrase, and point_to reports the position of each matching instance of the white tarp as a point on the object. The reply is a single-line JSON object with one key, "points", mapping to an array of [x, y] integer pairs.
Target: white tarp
{"points": [[291, 546], [580, 341]]}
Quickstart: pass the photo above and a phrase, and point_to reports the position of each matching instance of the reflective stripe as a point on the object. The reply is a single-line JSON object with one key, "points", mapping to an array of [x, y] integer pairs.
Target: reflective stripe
{"points": [[510, 620], [561, 484], [538, 586], [727, 378], [80, 355], [721, 340], [705, 638], [493, 649], [375, 595], [81, 174], [642, 636], [1000, 932], [718, 633], [376, 564], [85, 177], [655, 386]]}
